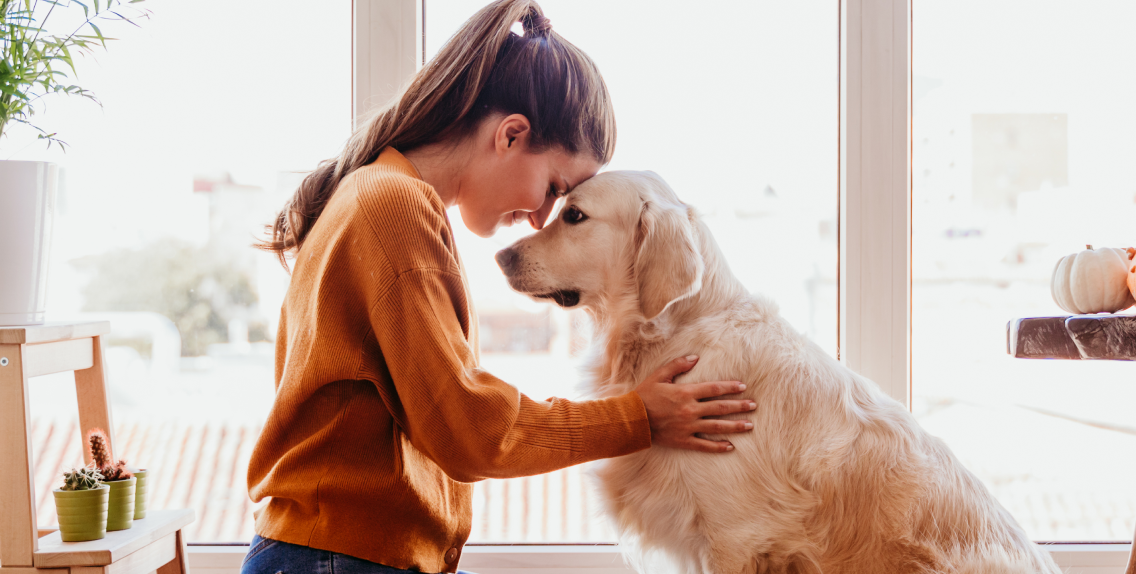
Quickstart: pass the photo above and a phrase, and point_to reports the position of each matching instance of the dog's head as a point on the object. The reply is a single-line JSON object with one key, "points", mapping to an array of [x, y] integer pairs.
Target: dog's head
{"points": [[620, 234]]}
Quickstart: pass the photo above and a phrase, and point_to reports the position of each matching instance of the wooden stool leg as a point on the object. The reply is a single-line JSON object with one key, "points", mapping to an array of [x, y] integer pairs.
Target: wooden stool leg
{"points": [[180, 563], [17, 486], [1132, 558], [94, 406]]}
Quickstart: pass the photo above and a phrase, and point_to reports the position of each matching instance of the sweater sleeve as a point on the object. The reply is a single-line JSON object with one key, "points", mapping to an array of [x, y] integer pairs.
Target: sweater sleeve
{"points": [[470, 423]]}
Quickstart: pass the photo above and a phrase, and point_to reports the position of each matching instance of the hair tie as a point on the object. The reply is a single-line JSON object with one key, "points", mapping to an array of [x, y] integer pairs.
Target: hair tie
{"points": [[537, 25]]}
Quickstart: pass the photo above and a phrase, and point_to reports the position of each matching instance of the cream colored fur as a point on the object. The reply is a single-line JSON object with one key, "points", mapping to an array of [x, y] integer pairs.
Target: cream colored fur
{"points": [[836, 477]]}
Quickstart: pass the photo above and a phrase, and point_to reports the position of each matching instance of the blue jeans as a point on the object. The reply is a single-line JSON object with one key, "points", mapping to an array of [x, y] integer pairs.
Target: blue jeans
{"points": [[267, 556]]}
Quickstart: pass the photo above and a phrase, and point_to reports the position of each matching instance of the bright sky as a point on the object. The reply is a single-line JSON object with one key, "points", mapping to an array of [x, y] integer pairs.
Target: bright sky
{"points": [[1036, 57]]}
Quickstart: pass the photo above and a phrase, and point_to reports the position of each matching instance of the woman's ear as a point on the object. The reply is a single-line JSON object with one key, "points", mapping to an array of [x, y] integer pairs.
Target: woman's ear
{"points": [[669, 266], [512, 133]]}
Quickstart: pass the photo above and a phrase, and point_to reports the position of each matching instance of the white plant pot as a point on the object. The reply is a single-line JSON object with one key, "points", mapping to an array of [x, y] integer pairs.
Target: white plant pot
{"points": [[27, 212]]}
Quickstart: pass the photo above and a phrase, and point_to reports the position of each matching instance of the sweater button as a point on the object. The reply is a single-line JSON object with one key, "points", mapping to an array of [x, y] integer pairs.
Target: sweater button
{"points": [[451, 555]]}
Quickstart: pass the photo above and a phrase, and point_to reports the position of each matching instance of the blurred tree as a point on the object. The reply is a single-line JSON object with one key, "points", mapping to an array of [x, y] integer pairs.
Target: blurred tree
{"points": [[197, 288]]}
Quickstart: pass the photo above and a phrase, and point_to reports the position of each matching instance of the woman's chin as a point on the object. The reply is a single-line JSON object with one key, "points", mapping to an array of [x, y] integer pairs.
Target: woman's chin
{"points": [[486, 231]]}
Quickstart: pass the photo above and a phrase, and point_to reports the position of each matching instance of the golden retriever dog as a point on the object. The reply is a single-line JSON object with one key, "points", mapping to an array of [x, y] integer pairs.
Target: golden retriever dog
{"points": [[836, 477]]}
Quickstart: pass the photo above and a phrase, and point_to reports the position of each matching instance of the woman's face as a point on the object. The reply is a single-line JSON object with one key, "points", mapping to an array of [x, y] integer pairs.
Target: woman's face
{"points": [[506, 183]]}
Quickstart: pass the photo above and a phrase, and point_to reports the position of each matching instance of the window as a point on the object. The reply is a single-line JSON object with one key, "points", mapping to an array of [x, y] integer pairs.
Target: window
{"points": [[738, 113], [1021, 131], [196, 147], [211, 111]]}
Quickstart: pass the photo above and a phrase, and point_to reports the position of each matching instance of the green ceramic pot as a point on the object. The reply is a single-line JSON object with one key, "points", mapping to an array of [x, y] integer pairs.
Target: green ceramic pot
{"points": [[82, 513], [120, 511], [140, 494]]}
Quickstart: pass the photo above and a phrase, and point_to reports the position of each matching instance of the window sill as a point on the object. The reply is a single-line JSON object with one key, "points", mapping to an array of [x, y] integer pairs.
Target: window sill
{"points": [[605, 559]]}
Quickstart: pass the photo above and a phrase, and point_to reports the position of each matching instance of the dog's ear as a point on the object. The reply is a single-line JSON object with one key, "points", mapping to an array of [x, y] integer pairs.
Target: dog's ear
{"points": [[669, 266]]}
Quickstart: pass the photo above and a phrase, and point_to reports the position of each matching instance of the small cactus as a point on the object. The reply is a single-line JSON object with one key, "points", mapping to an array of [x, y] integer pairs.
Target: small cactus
{"points": [[86, 478], [100, 456], [117, 472]]}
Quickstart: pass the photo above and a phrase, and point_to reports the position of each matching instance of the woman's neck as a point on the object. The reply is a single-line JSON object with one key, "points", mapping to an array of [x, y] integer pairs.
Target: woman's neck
{"points": [[441, 165]]}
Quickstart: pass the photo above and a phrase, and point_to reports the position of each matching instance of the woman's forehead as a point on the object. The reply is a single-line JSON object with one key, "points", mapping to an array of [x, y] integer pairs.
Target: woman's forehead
{"points": [[573, 169]]}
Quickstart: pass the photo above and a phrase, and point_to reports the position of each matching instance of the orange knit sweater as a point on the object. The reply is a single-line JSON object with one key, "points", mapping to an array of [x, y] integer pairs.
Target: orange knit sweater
{"points": [[382, 416]]}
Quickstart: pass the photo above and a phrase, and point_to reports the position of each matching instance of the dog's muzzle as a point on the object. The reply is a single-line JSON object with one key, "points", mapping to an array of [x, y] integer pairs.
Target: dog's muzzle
{"points": [[507, 260]]}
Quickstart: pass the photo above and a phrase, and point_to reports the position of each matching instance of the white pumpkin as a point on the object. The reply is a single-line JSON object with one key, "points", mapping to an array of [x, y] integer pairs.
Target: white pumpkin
{"points": [[1092, 281]]}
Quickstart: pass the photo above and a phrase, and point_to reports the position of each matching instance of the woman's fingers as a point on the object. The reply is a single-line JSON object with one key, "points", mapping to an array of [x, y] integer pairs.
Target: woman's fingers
{"points": [[704, 445], [667, 372], [718, 426], [724, 407], [715, 389], [677, 412]]}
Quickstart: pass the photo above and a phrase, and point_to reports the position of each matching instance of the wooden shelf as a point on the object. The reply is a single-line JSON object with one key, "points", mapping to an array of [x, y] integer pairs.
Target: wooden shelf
{"points": [[1073, 337], [46, 332], [117, 545]]}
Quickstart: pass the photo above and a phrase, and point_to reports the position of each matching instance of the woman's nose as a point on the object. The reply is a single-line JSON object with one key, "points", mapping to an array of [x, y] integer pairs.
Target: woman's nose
{"points": [[538, 217]]}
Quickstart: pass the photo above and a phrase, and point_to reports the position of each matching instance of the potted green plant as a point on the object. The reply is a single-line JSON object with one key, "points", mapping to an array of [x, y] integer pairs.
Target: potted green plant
{"points": [[81, 504], [120, 505], [36, 63]]}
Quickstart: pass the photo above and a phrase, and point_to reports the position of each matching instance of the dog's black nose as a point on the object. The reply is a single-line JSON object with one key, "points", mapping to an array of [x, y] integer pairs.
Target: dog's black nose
{"points": [[507, 260]]}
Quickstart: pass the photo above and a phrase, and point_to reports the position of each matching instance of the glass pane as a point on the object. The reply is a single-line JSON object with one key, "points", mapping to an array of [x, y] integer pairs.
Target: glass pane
{"points": [[210, 109], [1021, 154], [736, 108]]}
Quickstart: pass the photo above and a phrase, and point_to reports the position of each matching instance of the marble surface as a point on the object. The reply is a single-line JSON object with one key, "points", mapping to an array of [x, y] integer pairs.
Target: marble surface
{"points": [[1101, 337]]}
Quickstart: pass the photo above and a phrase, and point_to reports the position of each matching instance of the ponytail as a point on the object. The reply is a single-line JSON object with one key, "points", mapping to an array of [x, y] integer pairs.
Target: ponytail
{"points": [[483, 69]]}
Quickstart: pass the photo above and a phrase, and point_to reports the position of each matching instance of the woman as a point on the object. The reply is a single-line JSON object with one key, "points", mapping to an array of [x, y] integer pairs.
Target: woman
{"points": [[382, 417]]}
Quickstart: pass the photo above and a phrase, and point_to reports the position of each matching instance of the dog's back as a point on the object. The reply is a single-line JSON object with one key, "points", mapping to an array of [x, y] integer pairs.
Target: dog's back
{"points": [[835, 477]]}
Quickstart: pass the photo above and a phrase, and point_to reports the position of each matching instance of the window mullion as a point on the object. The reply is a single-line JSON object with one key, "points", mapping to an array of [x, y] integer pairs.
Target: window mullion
{"points": [[875, 222], [387, 49]]}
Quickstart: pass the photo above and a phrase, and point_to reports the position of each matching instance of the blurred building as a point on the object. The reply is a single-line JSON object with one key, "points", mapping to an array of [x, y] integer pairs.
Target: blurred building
{"points": [[238, 215]]}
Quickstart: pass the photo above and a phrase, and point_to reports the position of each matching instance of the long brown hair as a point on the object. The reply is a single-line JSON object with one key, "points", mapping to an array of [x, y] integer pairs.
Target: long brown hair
{"points": [[484, 68]]}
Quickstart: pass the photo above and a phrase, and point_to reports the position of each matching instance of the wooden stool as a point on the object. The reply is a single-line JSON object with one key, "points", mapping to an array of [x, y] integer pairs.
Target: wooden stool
{"points": [[155, 543]]}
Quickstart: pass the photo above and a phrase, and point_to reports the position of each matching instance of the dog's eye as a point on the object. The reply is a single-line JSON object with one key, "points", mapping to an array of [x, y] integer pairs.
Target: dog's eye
{"points": [[573, 215]]}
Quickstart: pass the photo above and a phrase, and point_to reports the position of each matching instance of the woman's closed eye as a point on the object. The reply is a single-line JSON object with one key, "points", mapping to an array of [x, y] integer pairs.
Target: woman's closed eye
{"points": [[573, 215]]}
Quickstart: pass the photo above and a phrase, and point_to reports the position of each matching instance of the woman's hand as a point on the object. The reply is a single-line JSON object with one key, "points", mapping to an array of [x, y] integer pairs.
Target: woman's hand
{"points": [[676, 412]]}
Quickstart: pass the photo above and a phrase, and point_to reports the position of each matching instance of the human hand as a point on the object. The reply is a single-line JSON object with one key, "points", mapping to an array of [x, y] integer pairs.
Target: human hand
{"points": [[676, 412]]}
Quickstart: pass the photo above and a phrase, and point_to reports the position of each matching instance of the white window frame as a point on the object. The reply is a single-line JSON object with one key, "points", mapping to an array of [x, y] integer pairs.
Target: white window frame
{"points": [[875, 239]]}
